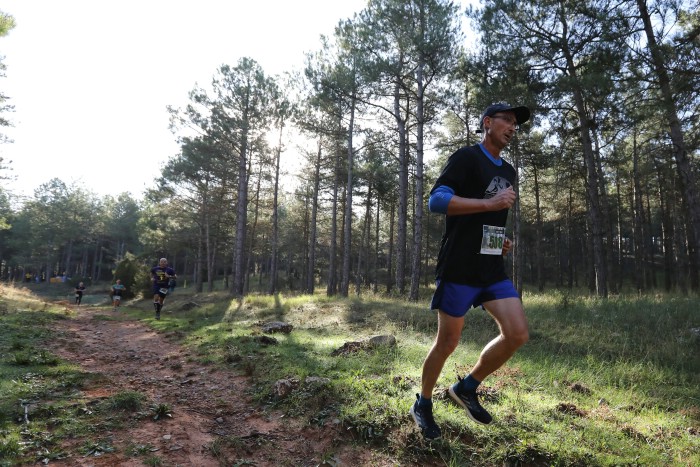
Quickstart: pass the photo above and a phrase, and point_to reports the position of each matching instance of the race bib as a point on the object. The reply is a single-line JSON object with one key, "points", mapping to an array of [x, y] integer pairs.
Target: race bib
{"points": [[492, 240], [163, 290]]}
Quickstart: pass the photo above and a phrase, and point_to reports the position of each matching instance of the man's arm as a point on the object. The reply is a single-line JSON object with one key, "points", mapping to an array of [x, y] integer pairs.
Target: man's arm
{"points": [[458, 206], [444, 201]]}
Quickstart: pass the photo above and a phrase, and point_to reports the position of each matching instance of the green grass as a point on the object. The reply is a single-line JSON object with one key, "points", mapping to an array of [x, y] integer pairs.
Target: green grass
{"points": [[49, 388], [600, 383]]}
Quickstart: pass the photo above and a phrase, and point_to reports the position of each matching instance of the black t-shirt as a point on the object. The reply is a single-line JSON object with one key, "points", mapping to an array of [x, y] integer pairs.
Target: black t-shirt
{"points": [[472, 174]]}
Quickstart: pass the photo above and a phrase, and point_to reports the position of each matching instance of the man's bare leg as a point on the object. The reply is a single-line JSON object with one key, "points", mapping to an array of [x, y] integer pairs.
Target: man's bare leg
{"points": [[511, 320], [448, 336], [509, 315]]}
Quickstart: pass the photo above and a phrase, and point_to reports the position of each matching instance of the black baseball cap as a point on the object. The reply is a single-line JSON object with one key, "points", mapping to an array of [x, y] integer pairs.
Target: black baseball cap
{"points": [[522, 113]]}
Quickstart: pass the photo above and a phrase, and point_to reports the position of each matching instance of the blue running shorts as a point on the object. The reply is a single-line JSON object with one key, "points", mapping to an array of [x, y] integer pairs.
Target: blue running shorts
{"points": [[457, 299], [161, 290]]}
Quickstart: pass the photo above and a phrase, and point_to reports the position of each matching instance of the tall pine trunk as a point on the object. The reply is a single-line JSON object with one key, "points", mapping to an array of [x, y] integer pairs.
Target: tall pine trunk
{"points": [[680, 150], [390, 250], [203, 245], [253, 231], [332, 287], [237, 283], [275, 218], [347, 233], [310, 278], [595, 216], [400, 244], [539, 253], [638, 231], [418, 196]]}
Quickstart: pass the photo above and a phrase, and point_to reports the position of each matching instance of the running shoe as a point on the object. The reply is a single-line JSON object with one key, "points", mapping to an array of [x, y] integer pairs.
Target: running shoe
{"points": [[423, 416], [470, 402]]}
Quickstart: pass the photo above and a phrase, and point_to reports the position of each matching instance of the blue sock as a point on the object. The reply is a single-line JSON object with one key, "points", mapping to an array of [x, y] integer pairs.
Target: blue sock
{"points": [[423, 402], [469, 384]]}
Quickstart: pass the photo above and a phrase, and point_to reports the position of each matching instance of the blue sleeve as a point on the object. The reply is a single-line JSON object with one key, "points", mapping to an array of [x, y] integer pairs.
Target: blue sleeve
{"points": [[440, 198]]}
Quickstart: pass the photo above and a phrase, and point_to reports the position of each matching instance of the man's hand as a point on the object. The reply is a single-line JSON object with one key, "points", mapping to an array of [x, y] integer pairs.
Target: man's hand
{"points": [[507, 245], [504, 199]]}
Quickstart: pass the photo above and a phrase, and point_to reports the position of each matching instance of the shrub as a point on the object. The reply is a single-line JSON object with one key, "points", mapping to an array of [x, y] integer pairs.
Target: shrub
{"points": [[129, 271], [9, 448]]}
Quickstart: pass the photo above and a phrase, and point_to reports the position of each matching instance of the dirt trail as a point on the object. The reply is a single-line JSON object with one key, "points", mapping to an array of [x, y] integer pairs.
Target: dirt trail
{"points": [[207, 404]]}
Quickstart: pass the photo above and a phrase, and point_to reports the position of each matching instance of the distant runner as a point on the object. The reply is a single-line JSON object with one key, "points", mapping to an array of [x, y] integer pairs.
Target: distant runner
{"points": [[79, 289], [117, 290], [161, 275]]}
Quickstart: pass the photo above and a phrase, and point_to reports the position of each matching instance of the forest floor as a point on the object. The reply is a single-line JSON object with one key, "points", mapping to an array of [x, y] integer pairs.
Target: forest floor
{"points": [[213, 420], [600, 383]]}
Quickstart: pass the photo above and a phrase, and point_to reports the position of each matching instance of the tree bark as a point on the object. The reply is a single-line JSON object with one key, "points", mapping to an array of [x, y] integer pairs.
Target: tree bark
{"points": [[680, 150], [539, 254], [400, 244], [332, 287], [418, 196], [275, 218], [638, 232], [390, 250], [595, 216], [310, 278], [241, 220], [347, 235], [253, 231]]}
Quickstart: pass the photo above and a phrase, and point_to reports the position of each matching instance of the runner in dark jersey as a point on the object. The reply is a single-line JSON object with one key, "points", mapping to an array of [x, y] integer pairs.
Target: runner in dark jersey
{"points": [[79, 290], [160, 275], [474, 191]]}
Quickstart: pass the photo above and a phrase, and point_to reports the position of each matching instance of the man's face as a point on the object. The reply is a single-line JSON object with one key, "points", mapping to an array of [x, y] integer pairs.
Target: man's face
{"points": [[501, 128], [163, 263]]}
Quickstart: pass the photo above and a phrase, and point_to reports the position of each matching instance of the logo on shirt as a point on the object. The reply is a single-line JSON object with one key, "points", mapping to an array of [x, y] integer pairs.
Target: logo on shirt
{"points": [[496, 185]]}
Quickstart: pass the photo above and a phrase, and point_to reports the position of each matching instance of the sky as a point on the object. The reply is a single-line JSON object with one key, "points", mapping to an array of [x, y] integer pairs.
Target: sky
{"points": [[90, 80]]}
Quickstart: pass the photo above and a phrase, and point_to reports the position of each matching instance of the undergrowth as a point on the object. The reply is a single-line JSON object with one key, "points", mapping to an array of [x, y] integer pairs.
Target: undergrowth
{"points": [[41, 406], [600, 383]]}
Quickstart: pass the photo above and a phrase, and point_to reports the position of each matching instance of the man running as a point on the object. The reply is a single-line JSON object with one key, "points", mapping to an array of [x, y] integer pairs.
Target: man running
{"points": [[117, 289], [160, 275], [79, 289], [474, 191]]}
